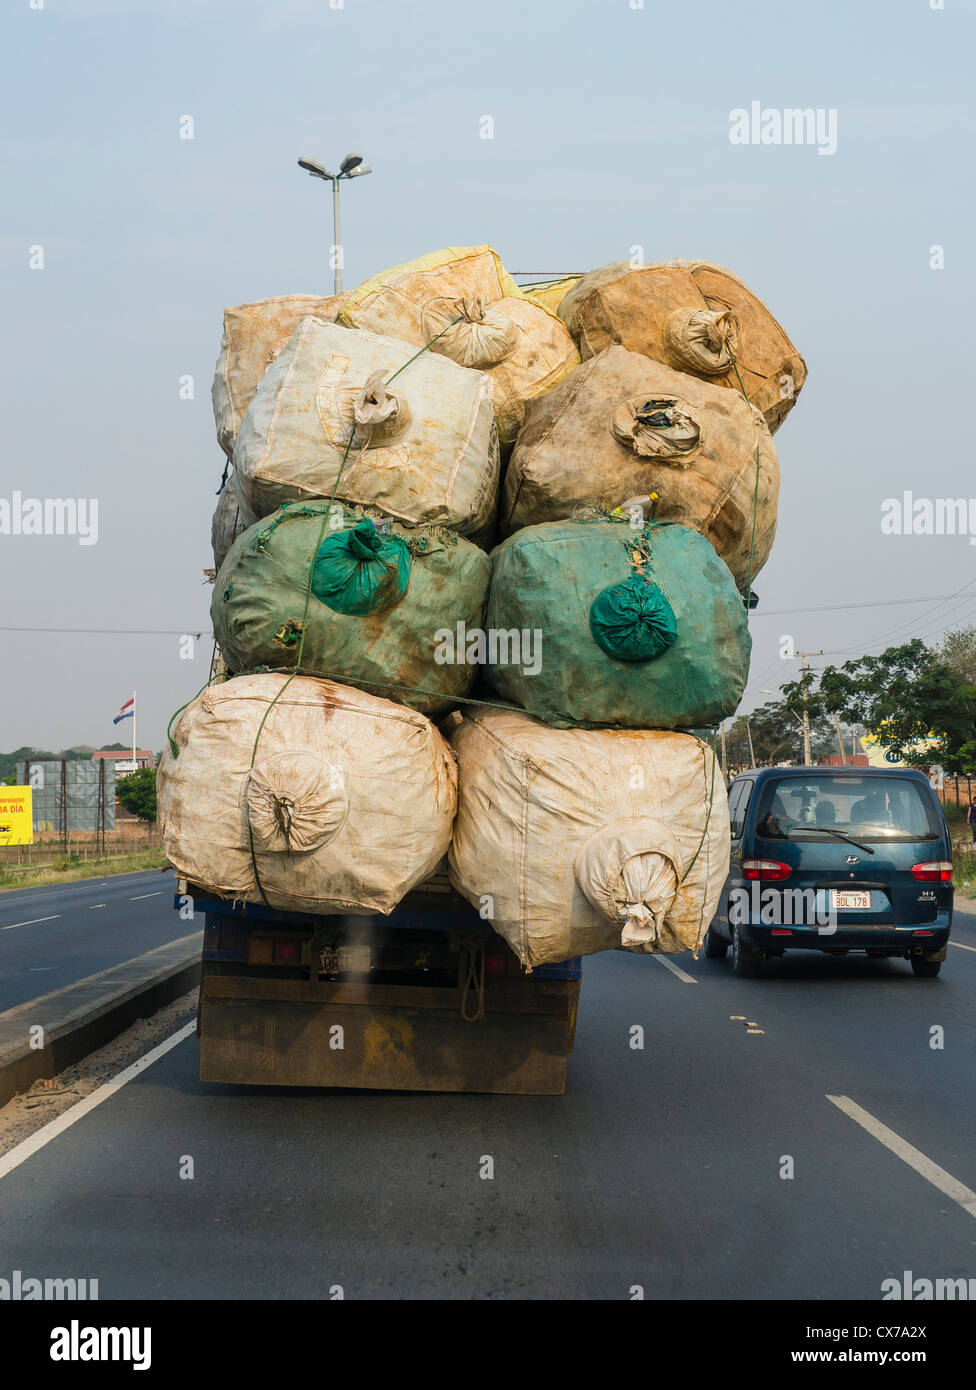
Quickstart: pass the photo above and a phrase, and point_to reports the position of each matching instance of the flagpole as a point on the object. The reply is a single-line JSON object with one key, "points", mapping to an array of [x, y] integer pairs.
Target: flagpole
{"points": [[135, 765]]}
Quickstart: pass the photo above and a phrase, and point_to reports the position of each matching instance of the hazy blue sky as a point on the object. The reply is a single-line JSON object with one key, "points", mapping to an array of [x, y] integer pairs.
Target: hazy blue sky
{"points": [[611, 129]]}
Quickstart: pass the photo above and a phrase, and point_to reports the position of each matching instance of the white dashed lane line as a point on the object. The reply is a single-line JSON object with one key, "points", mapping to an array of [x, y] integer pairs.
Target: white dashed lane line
{"points": [[928, 1169], [31, 923], [676, 970], [139, 896], [961, 946]]}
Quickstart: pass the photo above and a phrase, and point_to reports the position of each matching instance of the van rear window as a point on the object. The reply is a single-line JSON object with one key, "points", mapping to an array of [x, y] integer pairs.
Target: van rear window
{"points": [[868, 808]]}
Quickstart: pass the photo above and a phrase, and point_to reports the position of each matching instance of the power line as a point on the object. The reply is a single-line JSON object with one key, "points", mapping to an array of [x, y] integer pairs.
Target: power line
{"points": [[837, 607], [114, 631]]}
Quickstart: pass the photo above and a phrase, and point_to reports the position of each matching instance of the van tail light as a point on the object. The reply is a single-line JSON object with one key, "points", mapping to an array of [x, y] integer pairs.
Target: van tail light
{"points": [[935, 871], [766, 870]]}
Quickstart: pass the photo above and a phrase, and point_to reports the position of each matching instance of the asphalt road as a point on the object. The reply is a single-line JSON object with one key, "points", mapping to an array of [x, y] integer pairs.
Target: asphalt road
{"points": [[52, 936], [659, 1168]]}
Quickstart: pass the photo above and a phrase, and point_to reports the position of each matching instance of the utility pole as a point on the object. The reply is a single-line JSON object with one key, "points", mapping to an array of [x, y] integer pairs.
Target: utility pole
{"points": [[725, 766], [806, 717], [840, 741], [752, 755]]}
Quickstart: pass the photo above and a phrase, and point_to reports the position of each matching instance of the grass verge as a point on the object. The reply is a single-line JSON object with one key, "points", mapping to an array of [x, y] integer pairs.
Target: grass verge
{"points": [[74, 867]]}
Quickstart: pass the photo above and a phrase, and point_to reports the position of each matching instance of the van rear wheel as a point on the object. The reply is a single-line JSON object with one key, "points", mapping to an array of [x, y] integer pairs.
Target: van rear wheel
{"points": [[926, 969], [745, 959]]}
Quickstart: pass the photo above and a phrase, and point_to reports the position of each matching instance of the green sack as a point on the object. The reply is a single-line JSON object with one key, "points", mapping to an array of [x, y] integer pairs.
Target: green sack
{"points": [[381, 597], [632, 620], [640, 629], [361, 571]]}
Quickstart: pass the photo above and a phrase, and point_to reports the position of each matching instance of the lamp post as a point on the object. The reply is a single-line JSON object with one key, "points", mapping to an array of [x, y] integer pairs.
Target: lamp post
{"points": [[352, 167]]}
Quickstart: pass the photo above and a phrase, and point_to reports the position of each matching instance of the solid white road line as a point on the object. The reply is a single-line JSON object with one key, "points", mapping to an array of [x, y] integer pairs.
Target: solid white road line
{"points": [[139, 896], [961, 946], [31, 923], [30, 1146], [929, 1170], [676, 970]]}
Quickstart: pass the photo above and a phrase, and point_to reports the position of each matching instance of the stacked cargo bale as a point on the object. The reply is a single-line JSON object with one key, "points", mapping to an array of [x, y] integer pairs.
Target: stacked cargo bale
{"points": [[367, 436], [640, 499], [310, 777]]}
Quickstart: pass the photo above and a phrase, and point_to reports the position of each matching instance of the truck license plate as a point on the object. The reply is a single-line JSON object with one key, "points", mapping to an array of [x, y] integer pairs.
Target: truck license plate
{"points": [[844, 902], [346, 960]]}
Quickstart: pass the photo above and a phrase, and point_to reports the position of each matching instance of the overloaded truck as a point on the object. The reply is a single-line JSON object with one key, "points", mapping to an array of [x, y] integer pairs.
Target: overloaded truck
{"points": [[483, 559]]}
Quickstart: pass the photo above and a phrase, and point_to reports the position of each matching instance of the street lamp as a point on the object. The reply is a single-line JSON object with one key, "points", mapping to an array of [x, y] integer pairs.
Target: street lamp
{"points": [[352, 167]]}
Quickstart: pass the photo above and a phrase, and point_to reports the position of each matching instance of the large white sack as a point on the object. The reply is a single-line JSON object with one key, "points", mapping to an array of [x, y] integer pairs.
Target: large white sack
{"points": [[350, 800], [254, 334], [575, 841], [424, 447], [463, 302]]}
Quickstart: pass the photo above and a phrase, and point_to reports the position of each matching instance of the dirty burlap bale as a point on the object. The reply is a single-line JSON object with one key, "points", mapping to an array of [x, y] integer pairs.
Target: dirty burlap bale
{"points": [[349, 803], [588, 840], [424, 447], [226, 524], [696, 317], [623, 426], [522, 345], [254, 334], [379, 596], [637, 628]]}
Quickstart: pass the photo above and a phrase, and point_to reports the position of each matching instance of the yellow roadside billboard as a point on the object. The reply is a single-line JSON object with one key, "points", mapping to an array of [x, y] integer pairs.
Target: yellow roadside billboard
{"points": [[16, 816], [878, 756]]}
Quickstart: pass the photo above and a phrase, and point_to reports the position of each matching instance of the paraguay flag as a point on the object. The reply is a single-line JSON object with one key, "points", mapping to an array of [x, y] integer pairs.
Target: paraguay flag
{"points": [[126, 712]]}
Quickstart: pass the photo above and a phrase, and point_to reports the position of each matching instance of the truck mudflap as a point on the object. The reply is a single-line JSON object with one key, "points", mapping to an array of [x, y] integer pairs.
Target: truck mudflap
{"points": [[386, 1037]]}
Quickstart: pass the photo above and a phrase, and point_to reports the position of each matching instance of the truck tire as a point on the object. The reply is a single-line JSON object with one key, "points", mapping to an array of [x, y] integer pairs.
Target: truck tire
{"points": [[715, 946], [745, 961]]}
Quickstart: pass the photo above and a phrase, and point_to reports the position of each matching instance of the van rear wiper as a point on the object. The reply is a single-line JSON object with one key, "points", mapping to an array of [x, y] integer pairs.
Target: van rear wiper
{"points": [[829, 830]]}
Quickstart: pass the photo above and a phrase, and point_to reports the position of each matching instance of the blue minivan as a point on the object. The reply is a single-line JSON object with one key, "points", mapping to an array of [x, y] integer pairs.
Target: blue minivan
{"points": [[835, 860]]}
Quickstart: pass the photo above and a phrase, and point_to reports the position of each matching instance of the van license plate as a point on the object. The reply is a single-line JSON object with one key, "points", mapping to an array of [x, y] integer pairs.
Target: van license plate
{"points": [[346, 960], [844, 902]]}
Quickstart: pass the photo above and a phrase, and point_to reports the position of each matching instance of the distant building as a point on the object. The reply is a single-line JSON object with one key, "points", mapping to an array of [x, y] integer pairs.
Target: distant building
{"points": [[123, 760]]}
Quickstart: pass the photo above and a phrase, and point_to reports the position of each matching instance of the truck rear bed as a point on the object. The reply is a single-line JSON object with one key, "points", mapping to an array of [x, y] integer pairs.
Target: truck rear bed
{"points": [[428, 999]]}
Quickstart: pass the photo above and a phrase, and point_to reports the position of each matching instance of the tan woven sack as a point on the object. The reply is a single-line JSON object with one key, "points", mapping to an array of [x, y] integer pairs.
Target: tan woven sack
{"points": [[254, 334], [519, 342], [623, 427], [696, 317]]}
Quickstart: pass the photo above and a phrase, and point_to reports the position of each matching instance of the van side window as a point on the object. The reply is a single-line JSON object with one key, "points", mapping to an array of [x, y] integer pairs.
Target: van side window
{"points": [[738, 806]]}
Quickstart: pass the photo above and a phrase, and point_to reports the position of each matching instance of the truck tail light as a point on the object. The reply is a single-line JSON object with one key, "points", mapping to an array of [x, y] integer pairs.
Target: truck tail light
{"points": [[935, 871], [782, 931], [766, 870], [287, 952]]}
